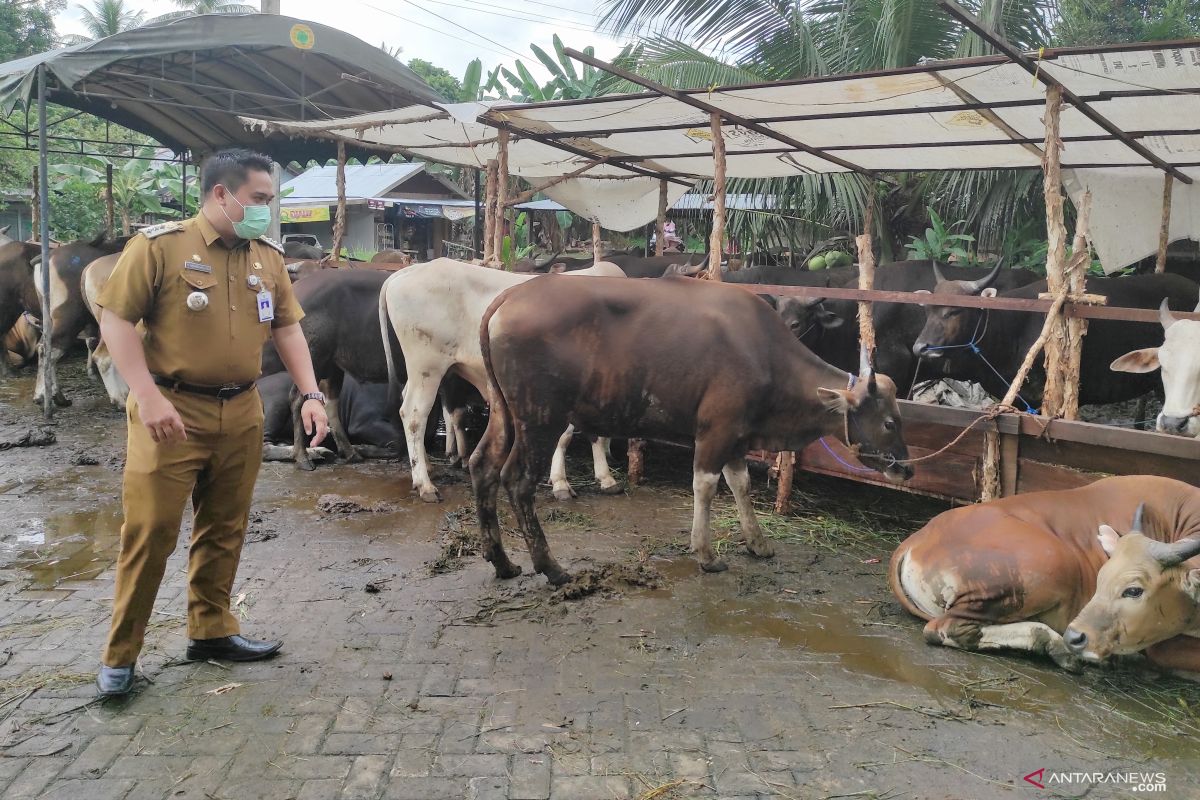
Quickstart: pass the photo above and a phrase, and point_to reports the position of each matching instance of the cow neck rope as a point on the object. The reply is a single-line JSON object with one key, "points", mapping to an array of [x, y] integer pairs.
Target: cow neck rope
{"points": [[973, 346], [854, 449]]}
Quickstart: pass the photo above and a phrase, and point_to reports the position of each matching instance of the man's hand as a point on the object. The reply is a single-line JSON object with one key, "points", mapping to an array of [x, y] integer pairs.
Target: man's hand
{"points": [[160, 418], [316, 424]]}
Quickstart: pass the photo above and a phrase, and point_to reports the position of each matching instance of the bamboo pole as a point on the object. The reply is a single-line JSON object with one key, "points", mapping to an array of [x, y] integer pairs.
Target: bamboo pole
{"points": [[597, 252], [660, 242], [35, 207], [715, 242], [785, 467], [866, 278], [339, 222], [1164, 232], [108, 200], [1056, 255], [501, 196], [1077, 269], [489, 211]]}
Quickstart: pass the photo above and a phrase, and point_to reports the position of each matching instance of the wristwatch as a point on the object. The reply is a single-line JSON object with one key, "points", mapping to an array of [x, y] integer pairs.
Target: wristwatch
{"points": [[314, 396]]}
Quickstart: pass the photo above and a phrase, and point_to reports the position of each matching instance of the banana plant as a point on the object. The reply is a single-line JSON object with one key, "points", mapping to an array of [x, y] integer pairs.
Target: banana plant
{"points": [[134, 184]]}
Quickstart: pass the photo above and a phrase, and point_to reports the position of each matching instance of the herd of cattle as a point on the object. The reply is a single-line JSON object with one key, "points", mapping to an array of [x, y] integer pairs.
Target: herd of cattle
{"points": [[717, 369]]}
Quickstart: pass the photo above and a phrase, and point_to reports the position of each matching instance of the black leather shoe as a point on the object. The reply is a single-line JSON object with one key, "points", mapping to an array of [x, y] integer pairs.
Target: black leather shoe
{"points": [[114, 681], [231, 648]]}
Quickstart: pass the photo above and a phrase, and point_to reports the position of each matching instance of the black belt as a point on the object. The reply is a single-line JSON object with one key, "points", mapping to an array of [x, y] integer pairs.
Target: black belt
{"points": [[226, 392]]}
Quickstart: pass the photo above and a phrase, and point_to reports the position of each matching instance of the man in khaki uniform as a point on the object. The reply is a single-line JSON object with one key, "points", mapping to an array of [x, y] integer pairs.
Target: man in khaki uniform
{"points": [[209, 291]]}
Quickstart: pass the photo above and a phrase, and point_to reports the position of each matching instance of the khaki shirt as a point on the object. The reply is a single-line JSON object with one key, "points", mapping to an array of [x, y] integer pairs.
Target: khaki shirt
{"points": [[221, 343]]}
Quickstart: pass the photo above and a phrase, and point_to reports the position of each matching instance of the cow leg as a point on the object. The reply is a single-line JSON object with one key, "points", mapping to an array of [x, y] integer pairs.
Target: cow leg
{"points": [[558, 466], [608, 484], [456, 436], [333, 390], [56, 353], [1031, 637], [419, 395], [704, 487], [452, 454], [1178, 654], [527, 463], [299, 440], [738, 478], [486, 463]]}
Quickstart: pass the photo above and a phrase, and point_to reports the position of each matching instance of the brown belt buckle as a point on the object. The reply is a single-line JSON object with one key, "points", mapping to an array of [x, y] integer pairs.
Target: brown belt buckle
{"points": [[229, 391]]}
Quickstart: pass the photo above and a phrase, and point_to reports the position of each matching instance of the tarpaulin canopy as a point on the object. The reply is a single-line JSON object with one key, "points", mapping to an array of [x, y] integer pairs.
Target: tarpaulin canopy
{"points": [[185, 82]]}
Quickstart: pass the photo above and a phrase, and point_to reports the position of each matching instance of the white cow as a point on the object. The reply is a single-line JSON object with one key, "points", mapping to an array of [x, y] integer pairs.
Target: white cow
{"points": [[100, 362], [436, 309], [1179, 359]]}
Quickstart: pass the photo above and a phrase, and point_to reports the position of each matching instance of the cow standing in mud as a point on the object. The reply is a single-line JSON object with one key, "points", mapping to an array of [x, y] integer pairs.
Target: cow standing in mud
{"points": [[1013, 573], [678, 360], [1179, 361]]}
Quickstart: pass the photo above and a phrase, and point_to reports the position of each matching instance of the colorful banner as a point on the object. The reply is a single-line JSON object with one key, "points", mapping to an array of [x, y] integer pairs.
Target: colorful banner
{"points": [[304, 214]]}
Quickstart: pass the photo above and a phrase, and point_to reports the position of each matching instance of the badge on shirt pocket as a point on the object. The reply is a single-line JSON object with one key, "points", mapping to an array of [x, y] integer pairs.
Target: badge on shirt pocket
{"points": [[266, 306]]}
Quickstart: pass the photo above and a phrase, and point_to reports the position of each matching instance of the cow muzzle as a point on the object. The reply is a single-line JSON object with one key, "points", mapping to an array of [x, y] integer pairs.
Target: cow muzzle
{"points": [[1185, 424], [1076, 641]]}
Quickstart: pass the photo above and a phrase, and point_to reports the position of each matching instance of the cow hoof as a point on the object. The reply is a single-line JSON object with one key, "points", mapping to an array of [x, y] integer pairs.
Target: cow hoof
{"points": [[432, 496], [61, 400], [506, 571], [716, 565], [563, 495], [559, 578], [354, 457], [615, 488], [765, 550], [307, 466]]}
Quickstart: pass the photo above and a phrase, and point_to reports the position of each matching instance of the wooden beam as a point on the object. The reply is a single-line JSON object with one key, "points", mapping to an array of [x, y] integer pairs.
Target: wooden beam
{"points": [[661, 225], [1164, 231], [716, 241], [1033, 68], [785, 468], [597, 250], [695, 102], [866, 276], [1081, 259], [1055, 339], [637, 463], [489, 233], [501, 197]]}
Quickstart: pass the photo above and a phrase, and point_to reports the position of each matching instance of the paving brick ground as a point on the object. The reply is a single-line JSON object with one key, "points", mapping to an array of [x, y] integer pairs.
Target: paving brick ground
{"points": [[794, 678]]}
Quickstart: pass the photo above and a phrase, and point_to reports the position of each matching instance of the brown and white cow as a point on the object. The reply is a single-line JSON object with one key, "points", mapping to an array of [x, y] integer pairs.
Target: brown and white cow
{"points": [[1014, 572], [1147, 598], [18, 295], [95, 276], [1179, 359], [21, 341], [435, 309], [675, 360]]}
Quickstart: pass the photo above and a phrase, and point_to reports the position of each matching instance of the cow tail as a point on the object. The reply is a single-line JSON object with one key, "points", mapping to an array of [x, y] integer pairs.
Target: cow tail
{"points": [[395, 387], [897, 586], [497, 403]]}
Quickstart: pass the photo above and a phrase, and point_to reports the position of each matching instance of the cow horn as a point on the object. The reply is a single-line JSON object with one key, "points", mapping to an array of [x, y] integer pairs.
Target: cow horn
{"points": [[1170, 555], [1136, 527], [938, 277], [864, 363], [1165, 316], [872, 388], [979, 284], [1198, 307], [811, 302]]}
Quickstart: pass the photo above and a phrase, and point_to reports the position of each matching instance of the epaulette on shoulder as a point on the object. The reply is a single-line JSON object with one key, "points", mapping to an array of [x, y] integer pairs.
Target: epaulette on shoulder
{"points": [[154, 231], [271, 243]]}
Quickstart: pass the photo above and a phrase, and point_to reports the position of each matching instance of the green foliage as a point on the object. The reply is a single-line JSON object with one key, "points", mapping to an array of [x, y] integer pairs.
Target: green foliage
{"points": [[27, 27], [107, 17], [134, 184], [76, 211], [517, 246], [440, 79], [940, 242], [191, 8], [1094, 22]]}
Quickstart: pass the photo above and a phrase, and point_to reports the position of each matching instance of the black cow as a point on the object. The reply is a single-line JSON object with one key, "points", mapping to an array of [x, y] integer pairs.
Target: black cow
{"points": [[341, 324], [299, 251], [1004, 337], [367, 413]]}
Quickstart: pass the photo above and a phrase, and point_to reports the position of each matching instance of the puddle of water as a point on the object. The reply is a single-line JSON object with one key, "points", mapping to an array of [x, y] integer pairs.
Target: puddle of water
{"points": [[73, 545]]}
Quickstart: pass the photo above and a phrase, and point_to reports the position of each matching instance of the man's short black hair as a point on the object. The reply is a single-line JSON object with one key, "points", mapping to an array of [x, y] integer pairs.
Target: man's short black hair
{"points": [[230, 167]]}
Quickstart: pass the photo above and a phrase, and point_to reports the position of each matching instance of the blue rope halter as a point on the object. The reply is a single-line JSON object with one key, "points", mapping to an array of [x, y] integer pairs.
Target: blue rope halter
{"points": [[973, 346]]}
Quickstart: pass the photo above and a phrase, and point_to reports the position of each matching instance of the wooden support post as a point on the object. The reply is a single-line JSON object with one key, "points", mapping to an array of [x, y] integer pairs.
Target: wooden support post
{"points": [[1164, 232], [1081, 259], [1056, 254], [501, 197], [785, 468], [866, 277], [597, 251], [637, 464], [108, 200], [35, 208], [716, 241], [489, 203], [339, 220], [660, 238]]}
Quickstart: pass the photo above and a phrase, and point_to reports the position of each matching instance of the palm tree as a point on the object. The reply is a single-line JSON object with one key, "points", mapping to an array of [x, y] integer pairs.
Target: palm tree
{"points": [[193, 8], [105, 18], [714, 42]]}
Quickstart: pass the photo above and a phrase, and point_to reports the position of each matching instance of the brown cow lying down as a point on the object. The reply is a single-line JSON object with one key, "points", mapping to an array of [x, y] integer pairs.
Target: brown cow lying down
{"points": [[1015, 572], [676, 360]]}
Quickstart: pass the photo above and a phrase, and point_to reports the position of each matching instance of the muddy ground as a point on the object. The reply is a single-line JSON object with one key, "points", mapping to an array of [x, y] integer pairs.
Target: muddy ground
{"points": [[410, 672]]}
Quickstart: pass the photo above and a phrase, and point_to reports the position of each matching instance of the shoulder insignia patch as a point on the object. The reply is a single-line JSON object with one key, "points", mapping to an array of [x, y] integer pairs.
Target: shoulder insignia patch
{"points": [[271, 243], [154, 231]]}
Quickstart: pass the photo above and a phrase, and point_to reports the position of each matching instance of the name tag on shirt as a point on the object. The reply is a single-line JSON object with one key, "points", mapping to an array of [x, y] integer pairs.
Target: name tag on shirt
{"points": [[197, 267], [266, 306]]}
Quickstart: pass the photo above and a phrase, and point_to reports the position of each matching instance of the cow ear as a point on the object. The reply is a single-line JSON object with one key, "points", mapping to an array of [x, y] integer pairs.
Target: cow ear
{"points": [[838, 401], [988, 292], [771, 300], [1191, 584], [1108, 538], [828, 319], [1137, 361]]}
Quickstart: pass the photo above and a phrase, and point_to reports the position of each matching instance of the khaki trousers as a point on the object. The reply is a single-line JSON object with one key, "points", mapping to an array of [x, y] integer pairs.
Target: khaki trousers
{"points": [[217, 466]]}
